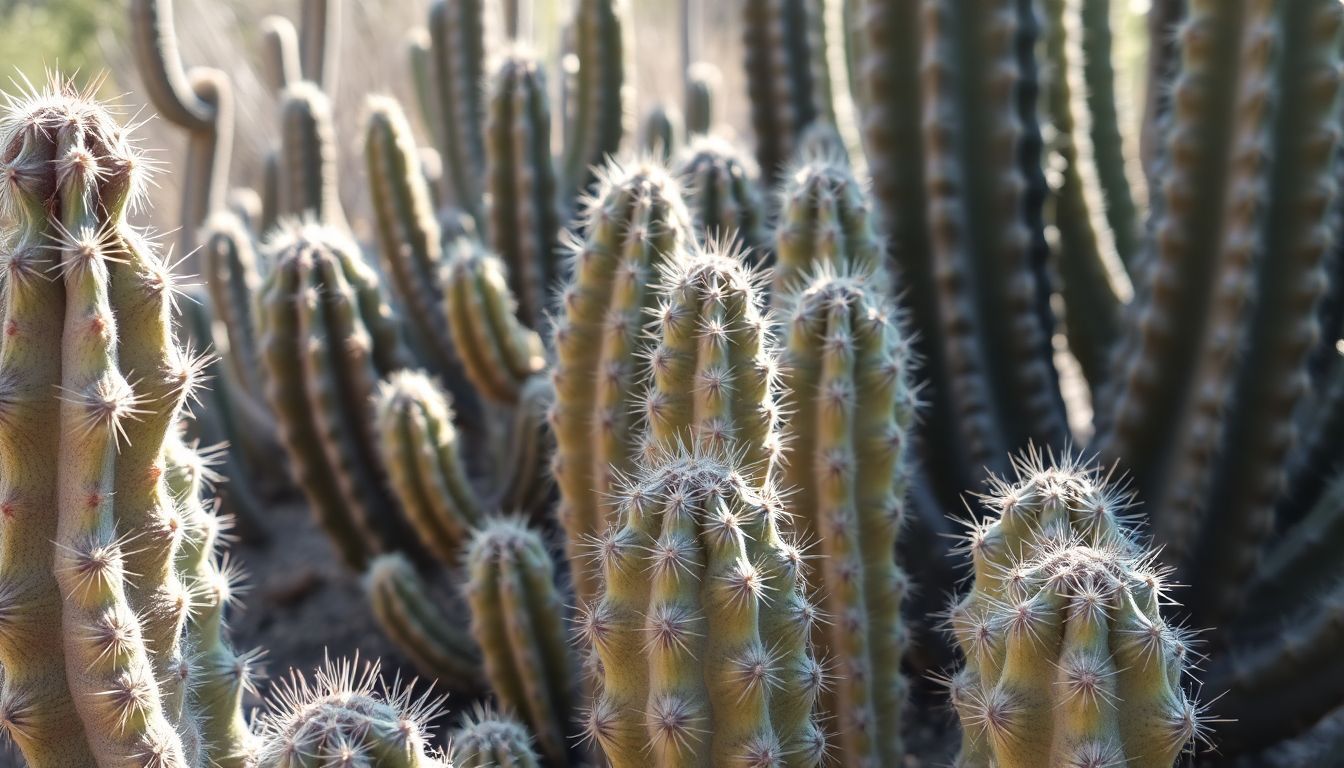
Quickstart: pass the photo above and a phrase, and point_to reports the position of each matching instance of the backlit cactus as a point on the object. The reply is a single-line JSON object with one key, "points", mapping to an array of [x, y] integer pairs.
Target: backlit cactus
{"points": [[723, 195], [488, 739], [702, 627], [456, 102], [347, 715], [307, 161], [825, 220], [1069, 660], [518, 620], [597, 94], [847, 463]]}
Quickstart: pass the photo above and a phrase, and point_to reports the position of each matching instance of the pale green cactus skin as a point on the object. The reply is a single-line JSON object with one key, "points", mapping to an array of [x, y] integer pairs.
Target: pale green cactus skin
{"points": [[488, 739], [413, 616], [825, 220], [347, 716], [1068, 658], [846, 363], [702, 628], [499, 353], [636, 223], [517, 618]]}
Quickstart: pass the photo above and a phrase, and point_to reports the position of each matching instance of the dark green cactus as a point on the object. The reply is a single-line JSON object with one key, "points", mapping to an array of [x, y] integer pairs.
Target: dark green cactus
{"points": [[523, 210], [518, 620], [596, 104], [326, 338], [1068, 658], [847, 367], [488, 739], [347, 715], [658, 132], [702, 627], [636, 223], [459, 38], [721, 190], [702, 79], [307, 170]]}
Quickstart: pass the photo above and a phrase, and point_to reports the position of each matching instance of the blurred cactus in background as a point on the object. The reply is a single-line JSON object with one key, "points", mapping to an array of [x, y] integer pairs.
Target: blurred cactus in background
{"points": [[641, 422]]}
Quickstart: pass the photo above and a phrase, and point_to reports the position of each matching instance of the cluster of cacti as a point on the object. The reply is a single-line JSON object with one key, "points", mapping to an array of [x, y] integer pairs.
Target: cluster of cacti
{"points": [[722, 473]]}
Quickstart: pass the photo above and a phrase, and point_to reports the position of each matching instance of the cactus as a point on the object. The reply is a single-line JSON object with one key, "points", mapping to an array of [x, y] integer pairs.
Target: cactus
{"points": [[319, 42], [847, 366], [487, 739], [219, 676], [459, 36], [788, 76], [702, 628], [658, 132], [200, 101], [281, 63], [326, 336], [702, 79], [517, 618], [347, 716], [498, 353], [825, 219], [1069, 660], [522, 208], [635, 223], [408, 611], [419, 446], [93, 384], [408, 230], [723, 196], [307, 180], [598, 97], [233, 282]]}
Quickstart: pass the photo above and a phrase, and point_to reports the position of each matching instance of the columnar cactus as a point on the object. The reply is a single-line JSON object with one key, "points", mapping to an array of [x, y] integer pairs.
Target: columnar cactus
{"points": [[488, 739], [1069, 660], [93, 382], [233, 282], [636, 223], [411, 614], [308, 156], [326, 339], [597, 100], [523, 209], [408, 230], [517, 618], [498, 353], [658, 132], [825, 218], [847, 369], [459, 35], [219, 676], [702, 80], [281, 64], [702, 628], [722, 192], [347, 716]]}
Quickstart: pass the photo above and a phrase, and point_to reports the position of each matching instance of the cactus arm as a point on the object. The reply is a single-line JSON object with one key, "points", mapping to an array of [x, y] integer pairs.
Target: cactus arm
{"points": [[523, 481], [723, 196], [1164, 58], [824, 220], [487, 739], [701, 78], [420, 54], [409, 234], [233, 282], [1289, 280], [596, 116], [459, 36], [40, 712], [308, 156], [270, 192], [320, 42], [522, 208], [658, 132], [1092, 273], [280, 53], [404, 605], [787, 76]]}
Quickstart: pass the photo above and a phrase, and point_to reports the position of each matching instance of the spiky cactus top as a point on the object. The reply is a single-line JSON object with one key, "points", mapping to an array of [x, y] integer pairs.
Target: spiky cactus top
{"points": [[347, 716], [702, 628], [1069, 660]]}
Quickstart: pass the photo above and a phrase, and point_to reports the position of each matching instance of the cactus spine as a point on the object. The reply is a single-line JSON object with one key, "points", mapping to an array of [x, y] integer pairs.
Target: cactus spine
{"points": [[846, 363], [635, 224], [1068, 658], [723, 196], [702, 628], [522, 207], [517, 618], [825, 219], [487, 739]]}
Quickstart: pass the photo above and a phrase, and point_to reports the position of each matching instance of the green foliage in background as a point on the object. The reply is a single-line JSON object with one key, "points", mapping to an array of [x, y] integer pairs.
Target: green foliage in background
{"points": [[37, 35]]}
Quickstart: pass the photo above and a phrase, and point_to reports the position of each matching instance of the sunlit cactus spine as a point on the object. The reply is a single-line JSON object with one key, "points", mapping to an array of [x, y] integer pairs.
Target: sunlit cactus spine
{"points": [[418, 444], [518, 620], [522, 204], [635, 224], [825, 220], [347, 715], [219, 676], [489, 739], [1068, 657], [412, 615], [95, 671], [722, 192], [702, 627], [848, 465], [327, 337], [498, 353]]}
